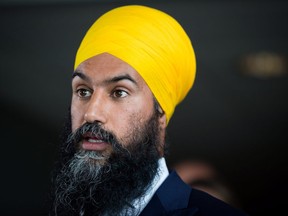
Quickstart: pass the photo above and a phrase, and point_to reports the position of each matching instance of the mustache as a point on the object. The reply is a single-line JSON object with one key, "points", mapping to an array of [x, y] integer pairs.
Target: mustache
{"points": [[93, 129]]}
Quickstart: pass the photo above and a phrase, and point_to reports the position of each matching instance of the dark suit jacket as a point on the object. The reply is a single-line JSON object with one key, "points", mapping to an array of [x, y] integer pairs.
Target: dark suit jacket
{"points": [[176, 198]]}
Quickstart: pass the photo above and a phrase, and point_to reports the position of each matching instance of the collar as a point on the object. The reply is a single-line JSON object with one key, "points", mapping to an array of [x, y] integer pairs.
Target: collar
{"points": [[171, 198], [162, 173], [174, 193]]}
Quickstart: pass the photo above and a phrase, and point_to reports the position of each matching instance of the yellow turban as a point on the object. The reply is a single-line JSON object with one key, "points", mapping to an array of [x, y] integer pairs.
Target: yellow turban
{"points": [[150, 41]]}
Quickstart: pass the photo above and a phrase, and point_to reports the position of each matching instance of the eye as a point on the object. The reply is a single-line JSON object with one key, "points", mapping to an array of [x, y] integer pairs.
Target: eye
{"points": [[119, 93], [83, 93]]}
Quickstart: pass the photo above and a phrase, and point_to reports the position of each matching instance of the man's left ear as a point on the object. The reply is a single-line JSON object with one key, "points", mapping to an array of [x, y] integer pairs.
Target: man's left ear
{"points": [[163, 121]]}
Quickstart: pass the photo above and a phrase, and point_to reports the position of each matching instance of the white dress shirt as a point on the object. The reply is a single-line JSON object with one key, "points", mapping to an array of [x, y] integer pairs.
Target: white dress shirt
{"points": [[140, 203]]}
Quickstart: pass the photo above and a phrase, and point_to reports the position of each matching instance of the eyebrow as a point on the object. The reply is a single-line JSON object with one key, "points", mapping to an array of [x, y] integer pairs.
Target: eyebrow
{"points": [[120, 78], [81, 75], [108, 81]]}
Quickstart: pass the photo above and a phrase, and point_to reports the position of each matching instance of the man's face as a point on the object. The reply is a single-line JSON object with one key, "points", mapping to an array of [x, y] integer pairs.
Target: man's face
{"points": [[110, 92], [117, 138]]}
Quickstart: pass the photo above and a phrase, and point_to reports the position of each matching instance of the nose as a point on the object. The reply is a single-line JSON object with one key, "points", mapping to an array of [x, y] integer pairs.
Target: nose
{"points": [[96, 109]]}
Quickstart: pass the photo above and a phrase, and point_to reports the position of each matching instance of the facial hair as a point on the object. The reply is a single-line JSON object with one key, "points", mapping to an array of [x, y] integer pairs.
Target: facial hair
{"points": [[98, 183]]}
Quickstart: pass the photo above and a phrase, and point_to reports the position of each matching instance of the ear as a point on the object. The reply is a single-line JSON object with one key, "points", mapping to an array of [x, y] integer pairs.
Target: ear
{"points": [[163, 121], [162, 130]]}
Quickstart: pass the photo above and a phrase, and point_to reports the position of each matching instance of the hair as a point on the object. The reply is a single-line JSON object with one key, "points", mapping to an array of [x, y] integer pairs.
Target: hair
{"points": [[78, 176]]}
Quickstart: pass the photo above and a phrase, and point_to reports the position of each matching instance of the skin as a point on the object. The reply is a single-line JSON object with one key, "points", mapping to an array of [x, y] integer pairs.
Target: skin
{"points": [[110, 92]]}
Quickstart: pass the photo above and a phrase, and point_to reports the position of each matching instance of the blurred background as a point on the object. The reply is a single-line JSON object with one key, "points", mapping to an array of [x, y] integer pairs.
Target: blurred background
{"points": [[235, 117]]}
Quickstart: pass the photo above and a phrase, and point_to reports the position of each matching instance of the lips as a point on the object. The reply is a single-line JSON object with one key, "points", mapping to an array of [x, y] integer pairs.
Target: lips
{"points": [[93, 143]]}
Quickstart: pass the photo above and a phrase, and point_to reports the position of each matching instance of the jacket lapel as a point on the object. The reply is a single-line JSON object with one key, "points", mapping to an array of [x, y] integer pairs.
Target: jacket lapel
{"points": [[183, 212], [154, 207], [172, 198]]}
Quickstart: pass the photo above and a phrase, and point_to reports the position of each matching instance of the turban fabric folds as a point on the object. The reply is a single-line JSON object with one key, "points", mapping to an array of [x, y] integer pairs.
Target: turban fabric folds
{"points": [[150, 41]]}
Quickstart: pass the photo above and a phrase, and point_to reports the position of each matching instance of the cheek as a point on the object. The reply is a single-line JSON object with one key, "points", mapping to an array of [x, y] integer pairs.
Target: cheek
{"points": [[131, 121], [129, 126], [76, 116], [133, 113]]}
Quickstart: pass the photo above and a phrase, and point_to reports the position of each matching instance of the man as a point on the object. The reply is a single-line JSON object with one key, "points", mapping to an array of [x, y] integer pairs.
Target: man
{"points": [[134, 65]]}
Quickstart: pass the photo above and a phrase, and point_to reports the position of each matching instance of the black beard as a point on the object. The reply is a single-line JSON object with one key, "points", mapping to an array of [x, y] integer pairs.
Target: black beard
{"points": [[84, 185]]}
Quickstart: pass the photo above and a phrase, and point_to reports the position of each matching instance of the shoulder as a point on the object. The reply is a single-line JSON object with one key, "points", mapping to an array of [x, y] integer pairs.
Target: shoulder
{"points": [[209, 205], [174, 194]]}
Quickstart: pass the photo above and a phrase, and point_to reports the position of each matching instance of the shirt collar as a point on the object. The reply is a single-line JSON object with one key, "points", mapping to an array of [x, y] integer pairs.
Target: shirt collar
{"points": [[140, 203]]}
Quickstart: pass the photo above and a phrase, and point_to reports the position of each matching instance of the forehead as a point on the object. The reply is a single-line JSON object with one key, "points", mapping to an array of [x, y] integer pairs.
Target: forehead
{"points": [[107, 66]]}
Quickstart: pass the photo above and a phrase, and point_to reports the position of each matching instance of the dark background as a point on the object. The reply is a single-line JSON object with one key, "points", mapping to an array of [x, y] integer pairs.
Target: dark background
{"points": [[234, 121]]}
